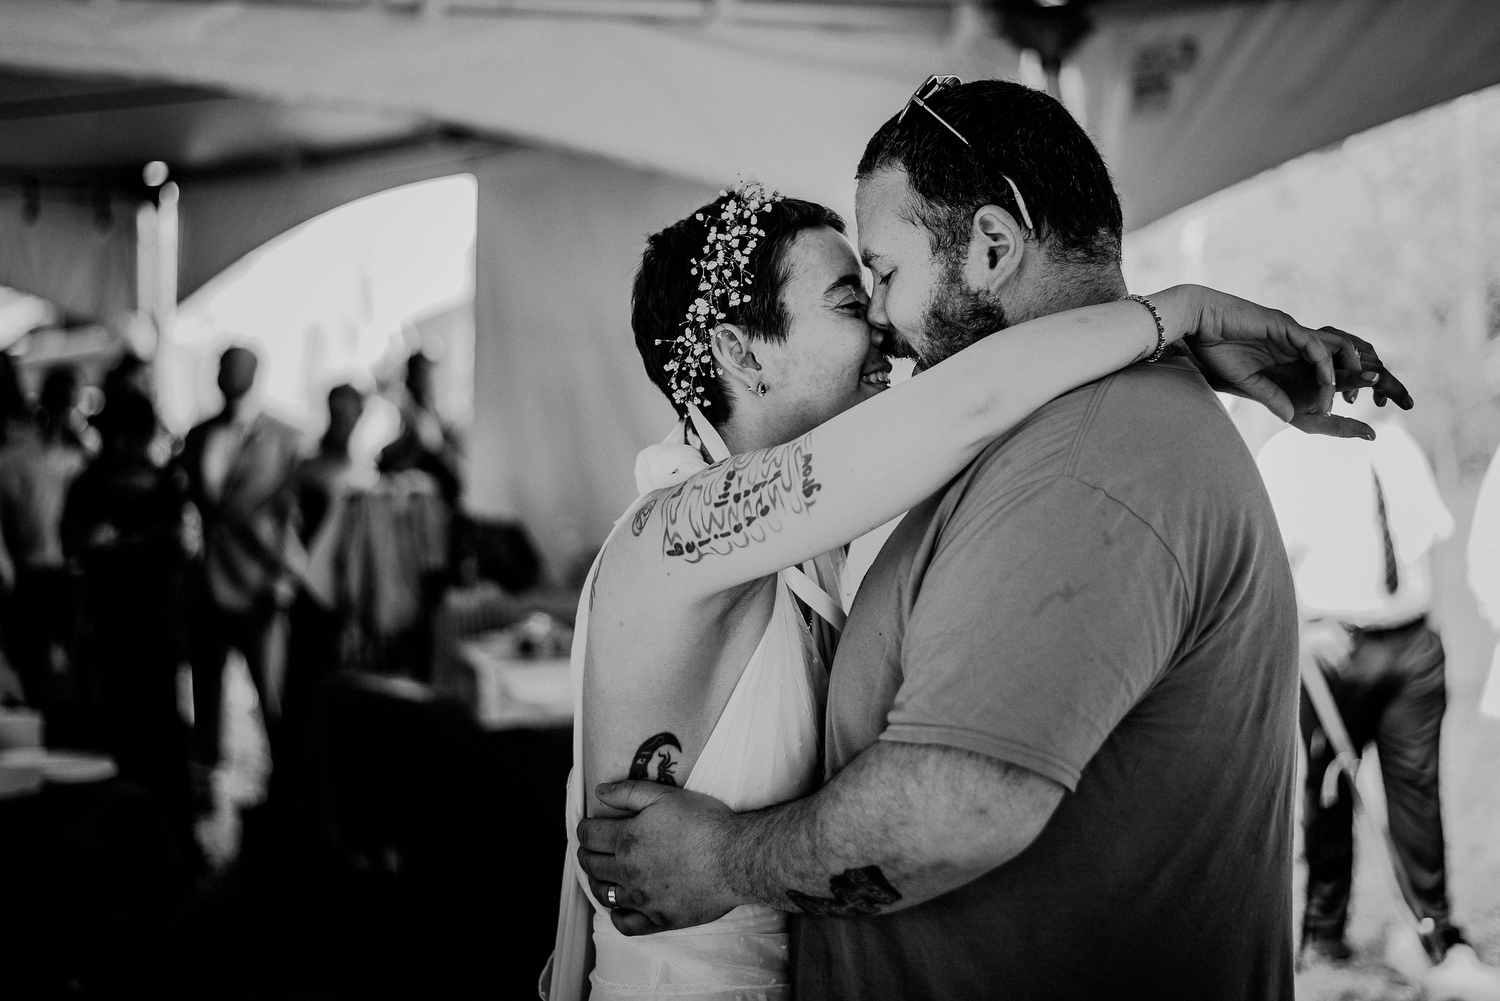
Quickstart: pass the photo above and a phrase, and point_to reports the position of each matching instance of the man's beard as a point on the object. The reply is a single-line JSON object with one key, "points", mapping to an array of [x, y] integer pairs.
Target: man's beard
{"points": [[956, 317]]}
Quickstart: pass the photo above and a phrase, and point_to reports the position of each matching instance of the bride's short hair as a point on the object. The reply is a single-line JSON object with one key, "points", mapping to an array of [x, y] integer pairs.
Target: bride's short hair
{"points": [[665, 287]]}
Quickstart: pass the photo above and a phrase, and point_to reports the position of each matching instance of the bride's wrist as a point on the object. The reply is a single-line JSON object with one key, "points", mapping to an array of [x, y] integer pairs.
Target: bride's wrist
{"points": [[1156, 341], [1180, 308]]}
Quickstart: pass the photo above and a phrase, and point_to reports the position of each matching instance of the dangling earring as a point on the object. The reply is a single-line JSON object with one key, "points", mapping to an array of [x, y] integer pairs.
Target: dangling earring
{"points": [[759, 388]]}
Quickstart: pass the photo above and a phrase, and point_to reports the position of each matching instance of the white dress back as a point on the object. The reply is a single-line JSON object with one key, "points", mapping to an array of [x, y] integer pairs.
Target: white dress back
{"points": [[764, 749]]}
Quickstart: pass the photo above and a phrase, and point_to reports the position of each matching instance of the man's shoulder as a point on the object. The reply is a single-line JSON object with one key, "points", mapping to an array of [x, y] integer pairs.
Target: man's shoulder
{"points": [[1152, 438], [1143, 413]]}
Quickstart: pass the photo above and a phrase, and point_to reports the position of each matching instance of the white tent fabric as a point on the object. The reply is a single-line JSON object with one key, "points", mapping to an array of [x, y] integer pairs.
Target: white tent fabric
{"points": [[1187, 104], [563, 403], [225, 219], [1185, 98], [80, 258]]}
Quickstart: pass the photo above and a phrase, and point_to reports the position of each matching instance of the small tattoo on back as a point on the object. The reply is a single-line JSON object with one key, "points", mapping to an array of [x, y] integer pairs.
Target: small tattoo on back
{"points": [[656, 760], [855, 893]]}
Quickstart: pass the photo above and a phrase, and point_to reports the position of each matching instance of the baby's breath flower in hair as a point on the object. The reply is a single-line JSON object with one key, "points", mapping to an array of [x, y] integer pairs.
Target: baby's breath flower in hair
{"points": [[724, 280]]}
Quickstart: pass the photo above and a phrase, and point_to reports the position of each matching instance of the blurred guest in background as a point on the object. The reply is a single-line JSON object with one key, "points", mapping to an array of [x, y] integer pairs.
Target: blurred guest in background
{"points": [[1359, 520], [131, 373], [37, 465], [315, 628], [125, 525], [13, 416], [321, 475], [238, 465], [425, 441]]}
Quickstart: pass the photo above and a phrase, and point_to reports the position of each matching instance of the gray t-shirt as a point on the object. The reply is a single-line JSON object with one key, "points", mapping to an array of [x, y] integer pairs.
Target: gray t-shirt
{"points": [[1102, 598]]}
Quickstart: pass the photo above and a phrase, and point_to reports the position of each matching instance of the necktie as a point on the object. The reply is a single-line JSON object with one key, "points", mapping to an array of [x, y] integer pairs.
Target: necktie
{"points": [[1392, 578]]}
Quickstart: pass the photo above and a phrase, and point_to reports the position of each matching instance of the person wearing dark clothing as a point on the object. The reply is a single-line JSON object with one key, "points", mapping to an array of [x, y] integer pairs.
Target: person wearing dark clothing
{"points": [[1360, 523], [314, 629], [124, 525], [237, 466], [318, 477], [425, 441]]}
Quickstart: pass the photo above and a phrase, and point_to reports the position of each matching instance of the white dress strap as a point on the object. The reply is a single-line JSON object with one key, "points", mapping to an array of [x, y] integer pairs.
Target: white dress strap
{"points": [[708, 434], [819, 600], [801, 584]]}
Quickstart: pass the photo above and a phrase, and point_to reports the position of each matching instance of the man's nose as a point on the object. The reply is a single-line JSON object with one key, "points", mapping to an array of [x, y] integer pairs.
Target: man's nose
{"points": [[875, 316]]}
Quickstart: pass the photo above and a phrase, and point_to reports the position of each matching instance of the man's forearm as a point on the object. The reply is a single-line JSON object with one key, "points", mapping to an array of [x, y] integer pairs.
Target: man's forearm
{"points": [[902, 824]]}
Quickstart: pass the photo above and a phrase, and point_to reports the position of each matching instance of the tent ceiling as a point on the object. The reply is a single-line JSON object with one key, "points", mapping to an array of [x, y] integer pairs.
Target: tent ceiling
{"points": [[85, 127], [1184, 96]]}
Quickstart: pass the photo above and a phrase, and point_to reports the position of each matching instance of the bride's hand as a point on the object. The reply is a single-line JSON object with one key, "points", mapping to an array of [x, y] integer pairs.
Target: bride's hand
{"points": [[1264, 355]]}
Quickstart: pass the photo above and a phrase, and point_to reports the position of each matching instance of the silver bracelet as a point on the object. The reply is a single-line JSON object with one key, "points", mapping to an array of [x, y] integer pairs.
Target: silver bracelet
{"points": [[1161, 330]]}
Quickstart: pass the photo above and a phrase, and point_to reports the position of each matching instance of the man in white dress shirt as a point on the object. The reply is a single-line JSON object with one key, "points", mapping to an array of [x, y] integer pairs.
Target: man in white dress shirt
{"points": [[1359, 520], [1484, 573]]}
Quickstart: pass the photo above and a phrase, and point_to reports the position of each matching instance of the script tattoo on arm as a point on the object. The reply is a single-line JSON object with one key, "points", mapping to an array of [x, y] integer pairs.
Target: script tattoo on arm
{"points": [[855, 893], [738, 501], [664, 752]]}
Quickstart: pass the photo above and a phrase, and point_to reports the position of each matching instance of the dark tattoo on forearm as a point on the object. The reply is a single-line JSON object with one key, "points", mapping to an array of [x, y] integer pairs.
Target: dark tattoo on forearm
{"points": [[665, 752], [856, 893], [739, 500], [638, 523]]}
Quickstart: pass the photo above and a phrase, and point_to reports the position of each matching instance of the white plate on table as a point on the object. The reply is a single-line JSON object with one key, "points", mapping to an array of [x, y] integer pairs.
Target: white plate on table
{"points": [[61, 767]]}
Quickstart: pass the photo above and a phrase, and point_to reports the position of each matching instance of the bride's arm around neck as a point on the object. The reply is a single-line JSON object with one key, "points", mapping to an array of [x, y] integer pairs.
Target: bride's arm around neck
{"points": [[758, 512]]}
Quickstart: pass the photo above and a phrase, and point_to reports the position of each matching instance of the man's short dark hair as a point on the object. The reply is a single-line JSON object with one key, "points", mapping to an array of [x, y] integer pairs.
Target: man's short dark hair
{"points": [[665, 287], [1013, 131]]}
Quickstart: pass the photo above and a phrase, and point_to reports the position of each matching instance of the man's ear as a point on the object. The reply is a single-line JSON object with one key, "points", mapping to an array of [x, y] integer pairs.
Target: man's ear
{"points": [[731, 349], [997, 243]]}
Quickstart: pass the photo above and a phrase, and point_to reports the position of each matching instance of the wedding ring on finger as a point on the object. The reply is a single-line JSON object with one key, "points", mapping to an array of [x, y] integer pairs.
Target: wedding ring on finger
{"points": [[609, 896]]}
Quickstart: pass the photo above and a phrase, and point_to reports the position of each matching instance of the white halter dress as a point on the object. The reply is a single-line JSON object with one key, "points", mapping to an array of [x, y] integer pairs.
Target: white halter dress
{"points": [[763, 750]]}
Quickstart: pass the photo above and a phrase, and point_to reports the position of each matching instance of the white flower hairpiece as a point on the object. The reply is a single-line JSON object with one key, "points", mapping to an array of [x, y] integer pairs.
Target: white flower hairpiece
{"points": [[724, 280]]}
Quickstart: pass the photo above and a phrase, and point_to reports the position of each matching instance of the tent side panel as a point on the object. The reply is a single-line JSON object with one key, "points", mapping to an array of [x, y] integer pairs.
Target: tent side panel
{"points": [[71, 251], [561, 404]]}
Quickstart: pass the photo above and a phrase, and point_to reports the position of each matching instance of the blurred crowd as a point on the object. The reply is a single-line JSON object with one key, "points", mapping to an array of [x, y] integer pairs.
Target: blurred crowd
{"points": [[134, 562]]}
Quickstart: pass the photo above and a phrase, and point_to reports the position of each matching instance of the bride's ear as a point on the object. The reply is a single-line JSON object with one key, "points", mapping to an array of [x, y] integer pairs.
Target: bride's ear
{"points": [[731, 348], [997, 243]]}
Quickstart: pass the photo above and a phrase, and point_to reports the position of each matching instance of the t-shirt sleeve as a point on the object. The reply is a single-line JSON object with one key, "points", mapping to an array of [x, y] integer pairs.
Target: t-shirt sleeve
{"points": [[1043, 617]]}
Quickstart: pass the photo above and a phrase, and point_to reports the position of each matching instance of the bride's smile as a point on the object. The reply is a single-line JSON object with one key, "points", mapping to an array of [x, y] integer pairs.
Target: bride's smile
{"points": [[830, 359]]}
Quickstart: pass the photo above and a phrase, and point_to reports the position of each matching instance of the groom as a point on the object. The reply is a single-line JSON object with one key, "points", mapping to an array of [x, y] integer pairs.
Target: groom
{"points": [[1061, 733]]}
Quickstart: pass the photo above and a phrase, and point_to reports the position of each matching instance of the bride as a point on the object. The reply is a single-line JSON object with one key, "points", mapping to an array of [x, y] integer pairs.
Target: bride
{"points": [[701, 648]]}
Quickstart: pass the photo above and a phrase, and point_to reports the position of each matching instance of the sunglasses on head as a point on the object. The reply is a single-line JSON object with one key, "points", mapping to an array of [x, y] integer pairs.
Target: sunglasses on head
{"points": [[931, 87]]}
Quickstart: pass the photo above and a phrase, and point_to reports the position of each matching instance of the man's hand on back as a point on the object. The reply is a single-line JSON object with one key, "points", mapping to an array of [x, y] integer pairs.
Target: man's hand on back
{"points": [[668, 848]]}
